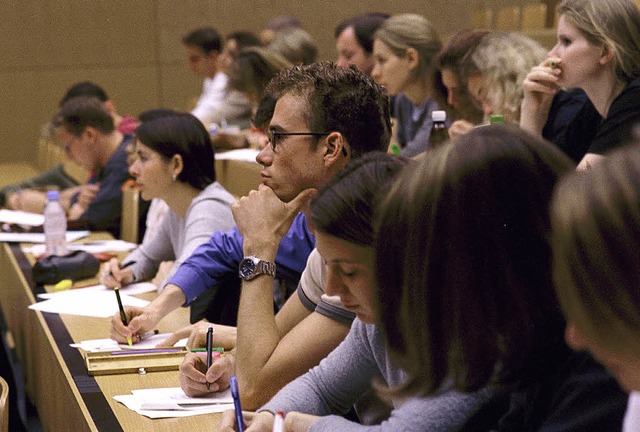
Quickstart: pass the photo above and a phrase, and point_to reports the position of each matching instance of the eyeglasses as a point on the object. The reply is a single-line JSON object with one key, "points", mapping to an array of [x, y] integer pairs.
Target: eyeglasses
{"points": [[273, 135]]}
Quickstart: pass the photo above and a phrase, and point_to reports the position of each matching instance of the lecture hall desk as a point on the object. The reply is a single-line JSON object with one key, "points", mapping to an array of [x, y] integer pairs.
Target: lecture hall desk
{"points": [[56, 379]]}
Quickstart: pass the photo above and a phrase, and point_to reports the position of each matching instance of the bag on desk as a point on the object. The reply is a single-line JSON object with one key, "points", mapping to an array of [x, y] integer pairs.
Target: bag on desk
{"points": [[75, 266]]}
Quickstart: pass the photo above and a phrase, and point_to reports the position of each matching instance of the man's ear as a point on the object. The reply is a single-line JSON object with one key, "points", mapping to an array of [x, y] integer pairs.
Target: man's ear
{"points": [[337, 147], [110, 106]]}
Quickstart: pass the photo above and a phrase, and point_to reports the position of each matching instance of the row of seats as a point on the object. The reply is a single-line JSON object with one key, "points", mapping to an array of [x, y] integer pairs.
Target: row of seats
{"points": [[527, 17]]}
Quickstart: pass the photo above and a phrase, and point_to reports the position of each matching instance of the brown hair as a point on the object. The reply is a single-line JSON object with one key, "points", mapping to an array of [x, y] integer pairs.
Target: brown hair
{"points": [[470, 295]]}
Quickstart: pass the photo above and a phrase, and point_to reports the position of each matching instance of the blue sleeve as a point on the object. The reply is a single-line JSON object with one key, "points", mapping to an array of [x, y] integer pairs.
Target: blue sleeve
{"points": [[221, 255]]}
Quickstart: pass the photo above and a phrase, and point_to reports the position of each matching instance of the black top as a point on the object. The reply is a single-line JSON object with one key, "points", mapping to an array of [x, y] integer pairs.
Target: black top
{"points": [[588, 132]]}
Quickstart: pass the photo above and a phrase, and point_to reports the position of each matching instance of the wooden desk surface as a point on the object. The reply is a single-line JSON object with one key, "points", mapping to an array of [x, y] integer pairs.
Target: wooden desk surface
{"points": [[56, 378]]}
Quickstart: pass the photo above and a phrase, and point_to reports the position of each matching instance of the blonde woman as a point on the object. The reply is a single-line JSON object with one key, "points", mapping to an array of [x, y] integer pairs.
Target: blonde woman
{"points": [[596, 245], [597, 51], [404, 49]]}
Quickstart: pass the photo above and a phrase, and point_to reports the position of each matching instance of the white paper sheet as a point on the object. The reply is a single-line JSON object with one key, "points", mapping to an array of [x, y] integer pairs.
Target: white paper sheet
{"points": [[246, 155], [98, 345], [172, 402], [21, 217], [131, 289], [90, 247], [38, 237], [93, 303]]}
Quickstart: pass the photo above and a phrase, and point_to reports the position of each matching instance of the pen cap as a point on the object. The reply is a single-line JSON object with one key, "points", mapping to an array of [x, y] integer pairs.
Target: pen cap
{"points": [[53, 195]]}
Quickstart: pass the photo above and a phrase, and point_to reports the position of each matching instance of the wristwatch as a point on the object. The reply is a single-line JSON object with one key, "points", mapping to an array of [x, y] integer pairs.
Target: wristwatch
{"points": [[252, 267]]}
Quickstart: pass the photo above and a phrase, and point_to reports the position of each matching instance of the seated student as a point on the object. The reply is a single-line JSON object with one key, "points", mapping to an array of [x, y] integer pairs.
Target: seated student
{"points": [[316, 132], [342, 214], [597, 48], [493, 71], [449, 86], [175, 162], [404, 48], [470, 299], [234, 43], [595, 238], [354, 40], [249, 75], [85, 129], [29, 195]]}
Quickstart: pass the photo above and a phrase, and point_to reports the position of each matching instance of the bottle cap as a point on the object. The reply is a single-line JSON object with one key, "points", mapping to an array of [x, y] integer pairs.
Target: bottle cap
{"points": [[496, 118], [53, 195], [439, 116]]}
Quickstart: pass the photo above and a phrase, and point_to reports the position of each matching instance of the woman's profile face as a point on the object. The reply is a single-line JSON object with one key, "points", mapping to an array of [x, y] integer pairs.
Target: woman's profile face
{"points": [[152, 172], [580, 61], [389, 70], [350, 274]]}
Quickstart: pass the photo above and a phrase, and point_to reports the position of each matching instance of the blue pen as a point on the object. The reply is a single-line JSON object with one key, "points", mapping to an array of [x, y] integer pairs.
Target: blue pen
{"points": [[233, 382]]}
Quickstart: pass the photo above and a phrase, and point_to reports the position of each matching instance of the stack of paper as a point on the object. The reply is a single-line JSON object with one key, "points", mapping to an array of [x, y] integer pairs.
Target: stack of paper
{"points": [[149, 342], [173, 402], [99, 246], [37, 237]]}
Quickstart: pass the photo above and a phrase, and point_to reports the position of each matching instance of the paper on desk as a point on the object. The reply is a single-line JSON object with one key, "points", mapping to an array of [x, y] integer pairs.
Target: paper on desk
{"points": [[38, 237], [99, 345], [246, 155], [21, 217], [90, 247], [131, 289], [93, 303], [173, 402]]}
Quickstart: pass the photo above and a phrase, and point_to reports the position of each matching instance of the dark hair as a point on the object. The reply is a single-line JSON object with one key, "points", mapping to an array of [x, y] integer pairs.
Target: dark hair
{"points": [[451, 57], [84, 88], [471, 297], [156, 113], [253, 68], [344, 207], [264, 112], [182, 134], [244, 39], [364, 27], [205, 38], [78, 113], [341, 99]]}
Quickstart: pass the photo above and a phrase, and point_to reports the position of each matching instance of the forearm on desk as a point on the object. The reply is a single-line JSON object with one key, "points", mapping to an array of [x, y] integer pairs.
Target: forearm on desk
{"points": [[170, 299]]}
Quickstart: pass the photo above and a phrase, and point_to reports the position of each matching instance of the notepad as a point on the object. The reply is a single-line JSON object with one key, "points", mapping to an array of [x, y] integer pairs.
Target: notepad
{"points": [[38, 237], [21, 217], [131, 289], [90, 247]]}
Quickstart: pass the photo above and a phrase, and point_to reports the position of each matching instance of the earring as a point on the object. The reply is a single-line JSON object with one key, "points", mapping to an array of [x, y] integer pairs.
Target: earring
{"points": [[173, 177]]}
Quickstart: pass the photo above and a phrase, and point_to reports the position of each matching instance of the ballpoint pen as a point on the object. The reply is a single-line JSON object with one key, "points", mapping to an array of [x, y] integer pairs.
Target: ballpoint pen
{"points": [[209, 351], [123, 315], [233, 383]]}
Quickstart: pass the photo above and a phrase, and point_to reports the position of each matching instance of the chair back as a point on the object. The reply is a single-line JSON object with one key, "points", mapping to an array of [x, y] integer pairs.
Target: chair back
{"points": [[129, 225]]}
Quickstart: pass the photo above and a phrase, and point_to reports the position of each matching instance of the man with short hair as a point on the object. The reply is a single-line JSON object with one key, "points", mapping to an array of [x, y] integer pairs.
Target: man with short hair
{"points": [[85, 129], [320, 109]]}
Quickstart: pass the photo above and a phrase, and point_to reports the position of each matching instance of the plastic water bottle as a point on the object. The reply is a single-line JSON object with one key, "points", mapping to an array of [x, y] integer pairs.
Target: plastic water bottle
{"points": [[439, 130], [55, 225]]}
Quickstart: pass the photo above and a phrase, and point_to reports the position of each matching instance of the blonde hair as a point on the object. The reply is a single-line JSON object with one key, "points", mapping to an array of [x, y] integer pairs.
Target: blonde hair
{"points": [[504, 60], [595, 217], [611, 23], [404, 31]]}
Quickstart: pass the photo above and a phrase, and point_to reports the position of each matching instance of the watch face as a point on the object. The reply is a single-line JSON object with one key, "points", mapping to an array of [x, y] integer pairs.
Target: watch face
{"points": [[247, 267]]}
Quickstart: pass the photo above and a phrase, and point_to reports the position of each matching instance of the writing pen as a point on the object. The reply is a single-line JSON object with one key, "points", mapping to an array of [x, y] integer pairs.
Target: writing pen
{"points": [[278, 422], [123, 315], [235, 393], [209, 351]]}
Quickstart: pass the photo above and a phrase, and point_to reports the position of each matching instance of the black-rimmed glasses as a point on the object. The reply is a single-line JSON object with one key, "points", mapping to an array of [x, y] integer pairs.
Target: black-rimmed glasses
{"points": [[273, 135]]}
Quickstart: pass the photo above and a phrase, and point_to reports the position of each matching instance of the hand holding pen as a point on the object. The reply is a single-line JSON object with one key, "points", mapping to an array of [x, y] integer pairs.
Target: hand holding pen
{"points": [[113, 274], [209, 352]]}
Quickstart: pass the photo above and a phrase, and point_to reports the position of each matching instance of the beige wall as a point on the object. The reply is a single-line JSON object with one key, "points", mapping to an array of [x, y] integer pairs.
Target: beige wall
{"points": [[132, 48]]}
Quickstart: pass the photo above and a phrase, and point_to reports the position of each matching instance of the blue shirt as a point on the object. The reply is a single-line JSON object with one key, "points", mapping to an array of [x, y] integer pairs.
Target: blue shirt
{"points": [[221, 255]]}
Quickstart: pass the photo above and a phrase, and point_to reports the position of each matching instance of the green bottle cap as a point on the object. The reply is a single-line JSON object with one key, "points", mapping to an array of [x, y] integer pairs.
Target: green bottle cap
{"points": [[496, 118]]}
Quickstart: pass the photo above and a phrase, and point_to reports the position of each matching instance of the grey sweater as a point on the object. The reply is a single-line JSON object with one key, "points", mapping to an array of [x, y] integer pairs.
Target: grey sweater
{"points": [[177, 238], [339, 380]]}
